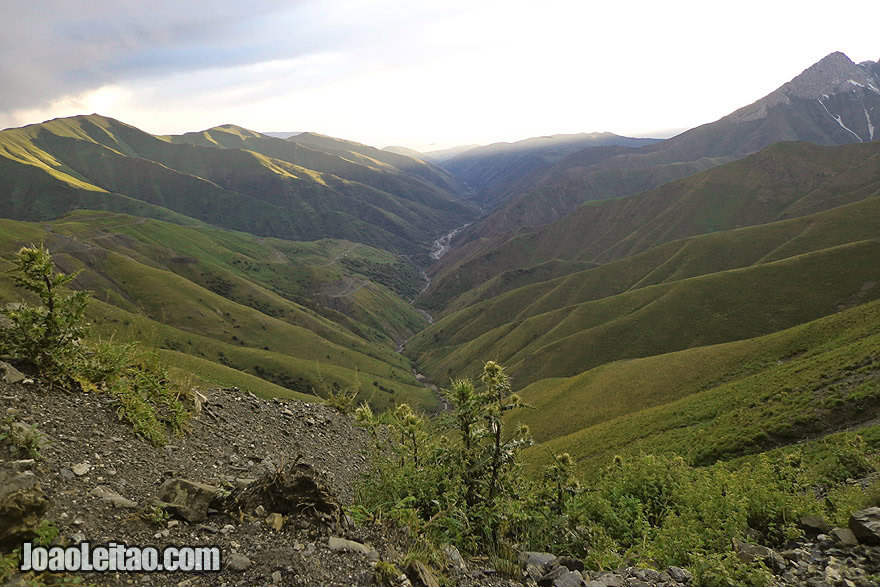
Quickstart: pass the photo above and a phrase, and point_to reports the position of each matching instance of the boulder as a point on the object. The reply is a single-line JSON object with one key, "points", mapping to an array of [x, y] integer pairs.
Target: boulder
{"points": [[237, 562], [567, 579], [107, 494], [865, 525], [561, 577], [844, 536], [186, 499], [549, 579], [608, 580], [572, 564], [342, 545], [456, 561], [296, 491], [814, 525], [22, 505], [420, 576], [539, 559], [81, 469], [679, 575], [533, 572], [10, 374], [275, 521], [748, 553]]}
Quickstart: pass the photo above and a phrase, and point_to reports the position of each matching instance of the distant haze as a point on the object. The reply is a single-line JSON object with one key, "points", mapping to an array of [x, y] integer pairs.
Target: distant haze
{"points": [[421, 75]]}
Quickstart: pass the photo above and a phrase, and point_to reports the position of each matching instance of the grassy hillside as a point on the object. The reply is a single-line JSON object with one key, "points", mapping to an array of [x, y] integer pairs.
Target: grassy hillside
{"points": [[703, 290], [715, 402], [713, 308], [413, 166], [396, 174], [240, 306], [227, 177], [783, 181], [672, 261], [517, 278]]}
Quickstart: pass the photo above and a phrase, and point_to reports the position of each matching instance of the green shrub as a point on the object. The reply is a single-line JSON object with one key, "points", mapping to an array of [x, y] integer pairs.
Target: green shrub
{"points": [[156, 514], [343, 400], [9, 564], [46, 532], [386, 573], [456, 480], [47, 336], [146, 397], [845, 457], [50, 337], [726, 570]]}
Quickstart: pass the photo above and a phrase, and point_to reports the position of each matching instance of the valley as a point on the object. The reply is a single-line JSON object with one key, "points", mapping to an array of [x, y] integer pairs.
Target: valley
{"points": [[645, 315]]}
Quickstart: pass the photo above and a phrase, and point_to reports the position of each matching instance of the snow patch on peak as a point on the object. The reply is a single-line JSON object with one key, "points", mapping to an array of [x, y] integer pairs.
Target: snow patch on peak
{"points": [[870, 126], [855, 83], [840, 122]]}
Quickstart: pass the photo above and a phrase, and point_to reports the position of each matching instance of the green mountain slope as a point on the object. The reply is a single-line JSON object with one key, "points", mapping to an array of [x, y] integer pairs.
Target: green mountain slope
{"points": [[783, 181], [703, 290], [413, 166], [396, 174], [493, 172], [281, 311], [675, 260], [715, 402], [223, 182]]}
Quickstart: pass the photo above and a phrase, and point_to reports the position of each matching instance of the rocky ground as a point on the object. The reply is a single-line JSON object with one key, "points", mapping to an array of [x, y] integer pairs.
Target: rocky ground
{"points": [[267, 482], [98, 482]]}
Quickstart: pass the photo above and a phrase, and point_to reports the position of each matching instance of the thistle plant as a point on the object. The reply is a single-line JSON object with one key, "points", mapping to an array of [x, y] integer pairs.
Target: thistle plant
{"points": [[47, 336]]}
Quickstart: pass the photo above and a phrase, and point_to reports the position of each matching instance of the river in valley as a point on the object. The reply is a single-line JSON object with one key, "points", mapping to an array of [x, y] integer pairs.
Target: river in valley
{"points": [[441, 245]]}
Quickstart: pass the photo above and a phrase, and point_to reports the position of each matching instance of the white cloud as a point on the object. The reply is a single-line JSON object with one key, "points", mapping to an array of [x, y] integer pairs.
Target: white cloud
{"points": [[412, 73], [104, 99]]}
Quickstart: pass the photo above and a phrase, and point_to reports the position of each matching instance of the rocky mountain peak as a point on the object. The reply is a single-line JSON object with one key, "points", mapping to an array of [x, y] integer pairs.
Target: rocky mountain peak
{"points": [[831, 75]]}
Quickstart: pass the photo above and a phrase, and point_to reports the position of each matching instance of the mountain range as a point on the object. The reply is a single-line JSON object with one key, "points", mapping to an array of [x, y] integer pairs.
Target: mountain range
{"points": [[833, 102], [640, 292], [307, 187], [491, 173]]}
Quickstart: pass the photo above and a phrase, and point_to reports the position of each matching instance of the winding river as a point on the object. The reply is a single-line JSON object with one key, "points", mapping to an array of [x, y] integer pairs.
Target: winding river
{"points": [[441, 245]]}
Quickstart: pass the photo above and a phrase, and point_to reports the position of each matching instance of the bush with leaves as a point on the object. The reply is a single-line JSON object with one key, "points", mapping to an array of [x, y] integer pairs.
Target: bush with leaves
{"points": [[343, 399], [146, 397], [457, 477], [48, 336]]}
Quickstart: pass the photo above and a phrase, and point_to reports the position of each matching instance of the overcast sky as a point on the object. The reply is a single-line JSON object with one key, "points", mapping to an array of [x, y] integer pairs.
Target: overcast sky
{"points": [[408, 72]]}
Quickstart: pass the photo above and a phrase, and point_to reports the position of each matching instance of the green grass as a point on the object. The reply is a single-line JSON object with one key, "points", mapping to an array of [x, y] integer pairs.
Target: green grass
{"points": [[515, 279], [242, 181], [268, 309], [640, 287], [785, 180], [715, 403], [710, 309], [705, 254], [273, 276]]}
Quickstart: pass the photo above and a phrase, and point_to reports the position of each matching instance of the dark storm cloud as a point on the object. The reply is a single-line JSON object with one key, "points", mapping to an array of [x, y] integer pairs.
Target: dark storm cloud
{"points": [[54, 48]]}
